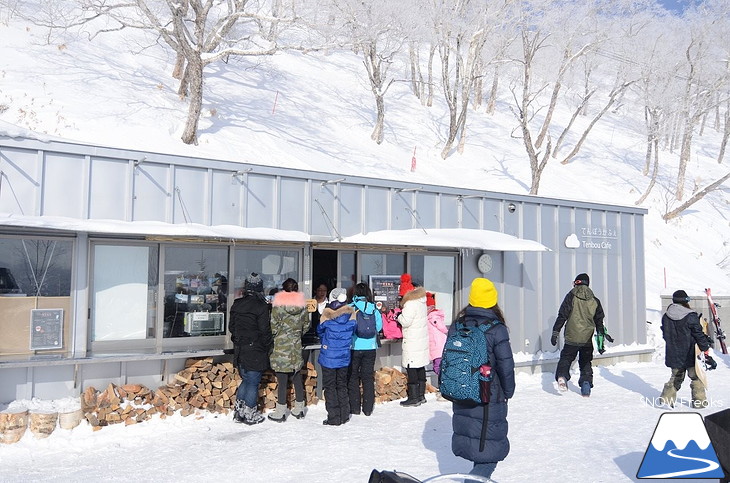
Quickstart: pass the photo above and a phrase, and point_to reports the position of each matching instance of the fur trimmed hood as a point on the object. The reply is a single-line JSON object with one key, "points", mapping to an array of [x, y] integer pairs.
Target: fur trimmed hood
{"points": [[289, 299], [416, 293], [329, 314]]}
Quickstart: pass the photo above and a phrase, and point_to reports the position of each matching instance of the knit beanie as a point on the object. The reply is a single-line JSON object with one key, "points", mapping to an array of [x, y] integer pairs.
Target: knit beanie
{"points": [[483, 293], [680, 297], [253, 283], [338, 294], [582, 279], [430, 300], [405, 284]]}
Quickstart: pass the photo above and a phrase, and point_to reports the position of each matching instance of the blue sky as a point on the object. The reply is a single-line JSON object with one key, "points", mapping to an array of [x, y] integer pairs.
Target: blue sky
{"points": [[674, 5]]}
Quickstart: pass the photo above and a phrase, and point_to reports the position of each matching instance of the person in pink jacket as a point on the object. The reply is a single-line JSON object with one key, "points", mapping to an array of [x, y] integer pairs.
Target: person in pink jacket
{"points": [[437, 331]]}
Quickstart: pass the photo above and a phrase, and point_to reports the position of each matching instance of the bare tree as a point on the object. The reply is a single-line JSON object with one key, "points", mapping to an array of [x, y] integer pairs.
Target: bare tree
{"points": [[201, 33], [695, 198]]}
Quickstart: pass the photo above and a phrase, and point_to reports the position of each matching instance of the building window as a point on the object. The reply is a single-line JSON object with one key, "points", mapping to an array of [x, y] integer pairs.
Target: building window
{"points": [[274, 266], [35, 273], [196, 291], [124, 292]]}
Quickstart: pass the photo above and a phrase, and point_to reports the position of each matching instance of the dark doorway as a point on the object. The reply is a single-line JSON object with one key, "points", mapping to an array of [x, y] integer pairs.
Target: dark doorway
{"points": [[324, 268]]}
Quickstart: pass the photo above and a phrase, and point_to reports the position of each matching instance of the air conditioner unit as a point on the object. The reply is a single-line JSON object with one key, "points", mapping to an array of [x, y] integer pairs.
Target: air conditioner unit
{"points": [[203, 323]]}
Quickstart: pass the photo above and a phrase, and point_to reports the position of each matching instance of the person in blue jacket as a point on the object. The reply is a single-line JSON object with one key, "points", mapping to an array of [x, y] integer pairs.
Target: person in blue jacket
{"points": [[467, 420], [336, 327], [362, 366]]}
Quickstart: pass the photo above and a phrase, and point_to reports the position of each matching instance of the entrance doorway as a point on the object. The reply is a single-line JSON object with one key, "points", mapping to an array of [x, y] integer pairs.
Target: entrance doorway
{"points": [[324, 268]]}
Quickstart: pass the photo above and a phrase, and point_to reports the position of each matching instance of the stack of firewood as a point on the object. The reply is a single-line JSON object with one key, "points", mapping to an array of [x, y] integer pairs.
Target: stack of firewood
{"points": [[391, 384], [269, 388], [202, 385]]}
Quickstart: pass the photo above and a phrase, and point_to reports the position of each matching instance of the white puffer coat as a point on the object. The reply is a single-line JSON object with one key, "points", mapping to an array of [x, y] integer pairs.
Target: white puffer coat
{"points": [[414, 320]]}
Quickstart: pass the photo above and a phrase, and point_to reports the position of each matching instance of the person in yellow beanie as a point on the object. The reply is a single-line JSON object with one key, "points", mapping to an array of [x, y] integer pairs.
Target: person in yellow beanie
{"points": [[465, 442]]}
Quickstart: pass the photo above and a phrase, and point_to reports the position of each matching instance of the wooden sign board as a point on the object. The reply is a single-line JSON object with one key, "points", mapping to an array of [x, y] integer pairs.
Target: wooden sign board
{"points": [[46, 329]]}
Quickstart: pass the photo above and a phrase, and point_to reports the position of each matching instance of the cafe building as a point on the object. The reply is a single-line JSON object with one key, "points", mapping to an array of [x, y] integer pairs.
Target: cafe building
{"points": [[117, 265]]}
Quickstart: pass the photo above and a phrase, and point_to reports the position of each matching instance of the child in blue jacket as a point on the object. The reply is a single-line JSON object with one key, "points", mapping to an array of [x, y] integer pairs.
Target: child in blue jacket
{"points": [[336, 327], [362, 366]]}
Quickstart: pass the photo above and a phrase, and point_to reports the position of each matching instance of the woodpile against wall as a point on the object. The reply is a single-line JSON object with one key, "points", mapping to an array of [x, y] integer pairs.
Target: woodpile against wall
{"points": [[202, 385]]}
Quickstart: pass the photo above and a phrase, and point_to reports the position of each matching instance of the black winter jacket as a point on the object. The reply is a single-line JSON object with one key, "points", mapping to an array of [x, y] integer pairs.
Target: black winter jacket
{"points": [[250, 327], [681, 330], [467, 420]]}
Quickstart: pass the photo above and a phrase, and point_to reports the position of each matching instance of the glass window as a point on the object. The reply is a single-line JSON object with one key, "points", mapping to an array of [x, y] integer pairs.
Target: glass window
{"points": [[437, 274], [381, 264], [35, 273], [124, 292], [196, 291], [274, 266], [346, 277]]}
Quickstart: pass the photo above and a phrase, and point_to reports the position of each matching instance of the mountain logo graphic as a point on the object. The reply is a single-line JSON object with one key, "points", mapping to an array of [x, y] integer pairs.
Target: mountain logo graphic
{"points": [[680, 448]]}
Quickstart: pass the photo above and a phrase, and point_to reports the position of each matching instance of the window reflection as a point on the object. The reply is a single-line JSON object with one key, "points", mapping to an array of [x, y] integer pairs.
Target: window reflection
{"points": [[196, 286]]}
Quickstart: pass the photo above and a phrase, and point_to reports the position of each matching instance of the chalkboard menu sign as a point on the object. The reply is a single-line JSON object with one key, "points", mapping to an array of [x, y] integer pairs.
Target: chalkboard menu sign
{"points": [[46, 329], [385, 291]]}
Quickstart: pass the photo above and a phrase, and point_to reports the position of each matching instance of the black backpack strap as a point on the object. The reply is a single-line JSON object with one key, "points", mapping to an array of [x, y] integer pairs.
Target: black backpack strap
{"points": [[483, 437]]}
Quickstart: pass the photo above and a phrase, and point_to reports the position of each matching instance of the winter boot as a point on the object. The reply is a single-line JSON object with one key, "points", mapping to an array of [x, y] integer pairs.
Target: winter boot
{"points": [[299, 410], [422, 392], [699, 397], [669, 394], [279, 413], [413, 398], [585, 389], [238, 412], [562, 384], [252, 416]]}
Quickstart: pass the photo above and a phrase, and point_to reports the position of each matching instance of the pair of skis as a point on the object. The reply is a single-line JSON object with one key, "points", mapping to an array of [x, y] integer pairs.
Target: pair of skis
{"points": [[719, 334]]}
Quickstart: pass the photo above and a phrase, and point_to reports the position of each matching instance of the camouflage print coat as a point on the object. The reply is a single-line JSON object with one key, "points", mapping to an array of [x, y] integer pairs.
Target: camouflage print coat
{"points": [[289, 320]]}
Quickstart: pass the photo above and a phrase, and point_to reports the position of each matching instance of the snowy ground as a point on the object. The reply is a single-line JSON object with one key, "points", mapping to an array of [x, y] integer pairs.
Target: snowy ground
{"points": [[554, 437]]}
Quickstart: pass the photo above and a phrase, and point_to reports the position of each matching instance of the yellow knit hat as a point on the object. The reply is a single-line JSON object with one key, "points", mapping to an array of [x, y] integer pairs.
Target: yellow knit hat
{"points": [[482, 294]]}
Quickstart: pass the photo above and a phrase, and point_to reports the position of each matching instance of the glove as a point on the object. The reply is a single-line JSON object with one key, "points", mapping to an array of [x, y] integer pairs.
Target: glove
{"points": [[554, 338], [710, 363], [608, 337]]}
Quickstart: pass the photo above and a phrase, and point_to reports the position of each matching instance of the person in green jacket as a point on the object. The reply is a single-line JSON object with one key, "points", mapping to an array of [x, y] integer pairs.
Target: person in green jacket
{"points": [[582, 314], [289, 320]]}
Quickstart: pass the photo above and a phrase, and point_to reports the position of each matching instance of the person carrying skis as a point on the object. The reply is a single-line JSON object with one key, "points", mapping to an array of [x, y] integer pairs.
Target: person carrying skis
{"points": [[581, 313], [681, 330]]}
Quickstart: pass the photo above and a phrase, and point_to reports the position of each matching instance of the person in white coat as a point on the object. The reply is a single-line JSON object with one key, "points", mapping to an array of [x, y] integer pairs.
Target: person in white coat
{"points": [[416, 357]]}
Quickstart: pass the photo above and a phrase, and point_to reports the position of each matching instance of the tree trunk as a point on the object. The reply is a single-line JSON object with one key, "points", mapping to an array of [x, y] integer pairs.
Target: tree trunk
{"points": [[416, 76], [492, 102], [612, 98], [684, 159], [654, 172], [431, 53], [179, 69], [194, 74], [377, 134], [725, 137], [573, 117], [694, 199]]}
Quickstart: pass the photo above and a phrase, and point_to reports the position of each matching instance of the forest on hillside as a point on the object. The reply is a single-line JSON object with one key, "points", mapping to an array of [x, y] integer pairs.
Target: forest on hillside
{"points": [[533, 58]]}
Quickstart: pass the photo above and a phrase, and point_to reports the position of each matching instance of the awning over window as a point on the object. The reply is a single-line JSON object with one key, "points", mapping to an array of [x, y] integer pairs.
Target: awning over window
{"points": [[153, 228], [448, 238]]}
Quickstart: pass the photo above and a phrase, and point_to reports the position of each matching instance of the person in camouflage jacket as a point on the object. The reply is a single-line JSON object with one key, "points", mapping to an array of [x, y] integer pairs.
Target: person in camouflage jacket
{"points": [[289, 320]]}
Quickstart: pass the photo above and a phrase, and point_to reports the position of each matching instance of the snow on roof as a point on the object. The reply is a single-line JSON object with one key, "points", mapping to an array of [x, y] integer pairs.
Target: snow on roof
{"points": [[448, 238], [153, 228]]}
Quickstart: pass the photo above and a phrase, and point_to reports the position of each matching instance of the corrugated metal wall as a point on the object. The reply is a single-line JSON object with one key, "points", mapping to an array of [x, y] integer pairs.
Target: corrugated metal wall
{"points": [[86, 182]]}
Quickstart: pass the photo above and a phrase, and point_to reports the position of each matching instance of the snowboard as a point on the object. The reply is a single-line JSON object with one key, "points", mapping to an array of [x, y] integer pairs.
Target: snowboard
{"points": [[700, 366]]}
